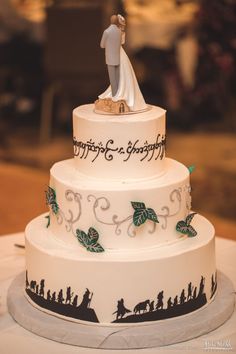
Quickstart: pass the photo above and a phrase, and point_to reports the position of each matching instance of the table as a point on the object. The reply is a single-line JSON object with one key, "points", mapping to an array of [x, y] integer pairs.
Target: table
{"points": [[15, 339]]}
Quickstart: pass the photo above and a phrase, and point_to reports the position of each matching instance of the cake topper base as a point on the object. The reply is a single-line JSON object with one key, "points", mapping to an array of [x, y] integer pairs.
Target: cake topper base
{"points": [[108, 106], [160, 333]]}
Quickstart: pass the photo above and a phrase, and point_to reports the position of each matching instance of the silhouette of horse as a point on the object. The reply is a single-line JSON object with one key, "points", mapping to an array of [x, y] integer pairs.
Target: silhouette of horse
{"points": [[141, 306]]}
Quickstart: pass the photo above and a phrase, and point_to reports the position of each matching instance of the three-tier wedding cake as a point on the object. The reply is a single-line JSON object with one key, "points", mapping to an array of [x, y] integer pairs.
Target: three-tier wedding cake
{"points": [[120, 244]]}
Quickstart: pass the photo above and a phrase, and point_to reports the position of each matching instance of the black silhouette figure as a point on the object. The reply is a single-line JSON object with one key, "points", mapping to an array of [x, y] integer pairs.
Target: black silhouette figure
{"points": [[55, 302], [182, 297], [142, 306], [175, 300], [69, 295], [48, 295], [53, 298], [75, 301], [201, 287], [187, 301], [160, 297], [169, 303], [60, 298], [213, 284], [190, 289], [151, 306], [26, 279], [32, 284], [121, 309], [42, 284], [84, 311], [87, 297], [37, 289]]}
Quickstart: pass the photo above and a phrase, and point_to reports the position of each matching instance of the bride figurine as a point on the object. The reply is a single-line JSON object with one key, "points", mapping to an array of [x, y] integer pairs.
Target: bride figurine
{"points": [[123, 95]]}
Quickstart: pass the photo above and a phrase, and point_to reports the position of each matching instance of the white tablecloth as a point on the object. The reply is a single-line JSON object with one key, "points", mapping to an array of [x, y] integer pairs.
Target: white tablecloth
{"points": [[16, 340]]}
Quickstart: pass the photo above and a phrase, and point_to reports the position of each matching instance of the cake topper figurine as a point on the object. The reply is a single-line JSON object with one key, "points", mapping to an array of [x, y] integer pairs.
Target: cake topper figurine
{"points": [[123, 95]]}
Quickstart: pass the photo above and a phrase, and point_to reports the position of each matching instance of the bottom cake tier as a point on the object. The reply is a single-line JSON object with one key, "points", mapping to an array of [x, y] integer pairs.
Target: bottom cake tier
{"points": [[120, 287]]}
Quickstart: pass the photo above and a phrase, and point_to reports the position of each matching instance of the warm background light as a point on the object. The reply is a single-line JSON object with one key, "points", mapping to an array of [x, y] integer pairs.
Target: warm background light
{"points": [[50, 62]]}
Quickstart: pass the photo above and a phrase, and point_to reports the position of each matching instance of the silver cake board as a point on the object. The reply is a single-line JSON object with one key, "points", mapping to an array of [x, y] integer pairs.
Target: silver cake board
{"points": [[160, 333]]}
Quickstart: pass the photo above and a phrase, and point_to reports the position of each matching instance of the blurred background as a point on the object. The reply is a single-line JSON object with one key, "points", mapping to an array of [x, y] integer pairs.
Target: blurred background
{"points": [[183, 53]]}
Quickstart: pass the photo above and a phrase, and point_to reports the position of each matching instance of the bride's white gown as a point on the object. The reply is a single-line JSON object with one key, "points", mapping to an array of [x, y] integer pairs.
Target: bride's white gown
{"points": [[128, 89]]}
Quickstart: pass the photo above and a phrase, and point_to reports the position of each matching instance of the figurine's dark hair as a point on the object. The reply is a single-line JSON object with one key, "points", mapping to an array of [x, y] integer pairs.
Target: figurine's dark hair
{"points": [[114, 19]]}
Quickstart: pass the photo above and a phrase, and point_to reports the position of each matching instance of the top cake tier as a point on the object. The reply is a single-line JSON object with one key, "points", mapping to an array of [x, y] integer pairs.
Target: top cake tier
{"points": [[128, 146]]}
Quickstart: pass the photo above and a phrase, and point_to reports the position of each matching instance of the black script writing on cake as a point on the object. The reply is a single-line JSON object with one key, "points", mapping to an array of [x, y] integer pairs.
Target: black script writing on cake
{"points": [[146, 151]]}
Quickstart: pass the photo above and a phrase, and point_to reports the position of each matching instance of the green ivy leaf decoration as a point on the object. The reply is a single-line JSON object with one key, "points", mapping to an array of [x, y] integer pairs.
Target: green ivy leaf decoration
{"points": [[51, 200], [191, 168], [142, 214], [81, 236], [152, 215], [185, 228], [48, 223], [138, 205], [189, 218], [90, 240]]}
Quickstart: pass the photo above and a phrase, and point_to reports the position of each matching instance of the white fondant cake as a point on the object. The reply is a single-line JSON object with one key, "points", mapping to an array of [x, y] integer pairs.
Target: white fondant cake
{"points": [[120, 244], [119, 147], [106, 206]]}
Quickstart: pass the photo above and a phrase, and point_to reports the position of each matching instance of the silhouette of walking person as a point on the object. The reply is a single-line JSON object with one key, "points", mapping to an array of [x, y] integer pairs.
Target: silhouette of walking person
{"points": [[26, 280], [32, 284], [87, 297], [41, 291], [160, 297], [75, 301], [60, 298], [169, 303], [151, 306], [121, 309], [190, 289], [37, 289], [195, 292], [213, 285], [201, 287], [182, 297], [48, 295], [53, 298], [69, 295], [175, 300]]}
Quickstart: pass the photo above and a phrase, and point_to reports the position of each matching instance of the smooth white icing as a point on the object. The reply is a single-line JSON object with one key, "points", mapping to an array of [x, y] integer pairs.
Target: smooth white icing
{"points": [[106, 206], [117, 133], [135, 275], [138, 262]]}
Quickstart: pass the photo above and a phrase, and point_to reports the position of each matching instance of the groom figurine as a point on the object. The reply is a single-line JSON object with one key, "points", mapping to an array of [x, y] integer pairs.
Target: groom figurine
{"points": [[111, 41]]}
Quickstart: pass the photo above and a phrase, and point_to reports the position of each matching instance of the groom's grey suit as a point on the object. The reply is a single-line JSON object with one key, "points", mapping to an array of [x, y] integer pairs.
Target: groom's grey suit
{"points": [[111, 41]]}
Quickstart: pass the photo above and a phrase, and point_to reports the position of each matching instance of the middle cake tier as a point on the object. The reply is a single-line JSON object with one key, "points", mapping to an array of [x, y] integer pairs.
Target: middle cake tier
{"points": [[115, 208]]}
